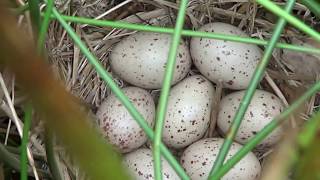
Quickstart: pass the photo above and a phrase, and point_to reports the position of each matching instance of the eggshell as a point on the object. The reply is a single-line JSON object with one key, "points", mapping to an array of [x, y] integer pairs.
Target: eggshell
{"points": [[232, 63], [199, 158], [140, 59], [188, 113], [263, 108], [140, 165], [118, 126]]}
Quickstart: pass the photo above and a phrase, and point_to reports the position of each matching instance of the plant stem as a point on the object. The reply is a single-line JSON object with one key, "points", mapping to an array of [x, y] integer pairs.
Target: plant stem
{"points": [[24, 143], [121, 96], [265, 132], [313, 5], [139, 27], [44, 26], [163, 100], [35, 16], [258, 74], [289, 18]]}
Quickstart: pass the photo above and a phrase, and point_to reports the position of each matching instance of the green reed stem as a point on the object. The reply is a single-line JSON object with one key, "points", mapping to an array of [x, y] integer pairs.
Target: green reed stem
{"points": [[44, 26], [35, 16], [289, 18], [163, 100], [265, 132], [121, 96], [258, 74], [313, 5], [24, 142], [139, 27]]}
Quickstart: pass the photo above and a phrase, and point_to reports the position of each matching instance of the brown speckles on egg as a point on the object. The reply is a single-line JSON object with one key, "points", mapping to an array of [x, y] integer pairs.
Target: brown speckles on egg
{"points": [[188, 113], [263, 108], [140, 165], [140, 59], [198, 159], [118, 126], [214, 58]]}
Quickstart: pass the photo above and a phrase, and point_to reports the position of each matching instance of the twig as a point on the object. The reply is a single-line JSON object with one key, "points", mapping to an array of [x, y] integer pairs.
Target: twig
{"points": [[278, 92], [109, 11], [9, 124]]}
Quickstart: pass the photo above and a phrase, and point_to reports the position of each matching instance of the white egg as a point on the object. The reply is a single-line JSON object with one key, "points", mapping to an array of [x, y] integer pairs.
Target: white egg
{"points": [[188, 113], [231, 63], [140, 165], [118, 126], [140, 59], [199, 158], [263, 107]]}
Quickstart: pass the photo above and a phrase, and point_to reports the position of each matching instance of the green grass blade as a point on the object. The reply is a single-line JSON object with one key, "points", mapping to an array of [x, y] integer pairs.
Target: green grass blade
{"points": [[117, 91], [24, 143], [289, 18], [190, 33], [35, 16], [308, 150], [44, 26], [313, 5], [259, 72], [254, 141], [163, 100]]}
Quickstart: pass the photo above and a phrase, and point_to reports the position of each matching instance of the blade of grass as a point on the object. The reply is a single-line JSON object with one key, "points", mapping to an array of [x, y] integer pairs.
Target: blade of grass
{"points": [[164, 95], [313, 5], [261, 135], [258, 74], [56, 106], [308, 150], [121, 96], [24, 142], [139, 27], [34, 10], [289, 18], [44, 25]]}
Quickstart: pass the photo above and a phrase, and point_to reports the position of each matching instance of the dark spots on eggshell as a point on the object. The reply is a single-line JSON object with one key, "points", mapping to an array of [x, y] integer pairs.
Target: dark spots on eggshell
{"points": [[230, 82], [251, 114]]}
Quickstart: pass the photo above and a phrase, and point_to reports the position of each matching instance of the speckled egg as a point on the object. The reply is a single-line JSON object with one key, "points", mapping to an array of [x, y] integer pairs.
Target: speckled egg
{"points": [[118, 126], [140, 165], [188, 113], [140, 59], [199, 158], [231, 63], [263, 108]]}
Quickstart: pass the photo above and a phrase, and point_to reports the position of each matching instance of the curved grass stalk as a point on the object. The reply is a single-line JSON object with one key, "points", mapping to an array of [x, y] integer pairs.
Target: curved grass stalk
{"points": [[289, 18], [190, 33], [121, 96], [163, 100], [258, 74], [254, 141], [44, 26], [24, 143]]}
